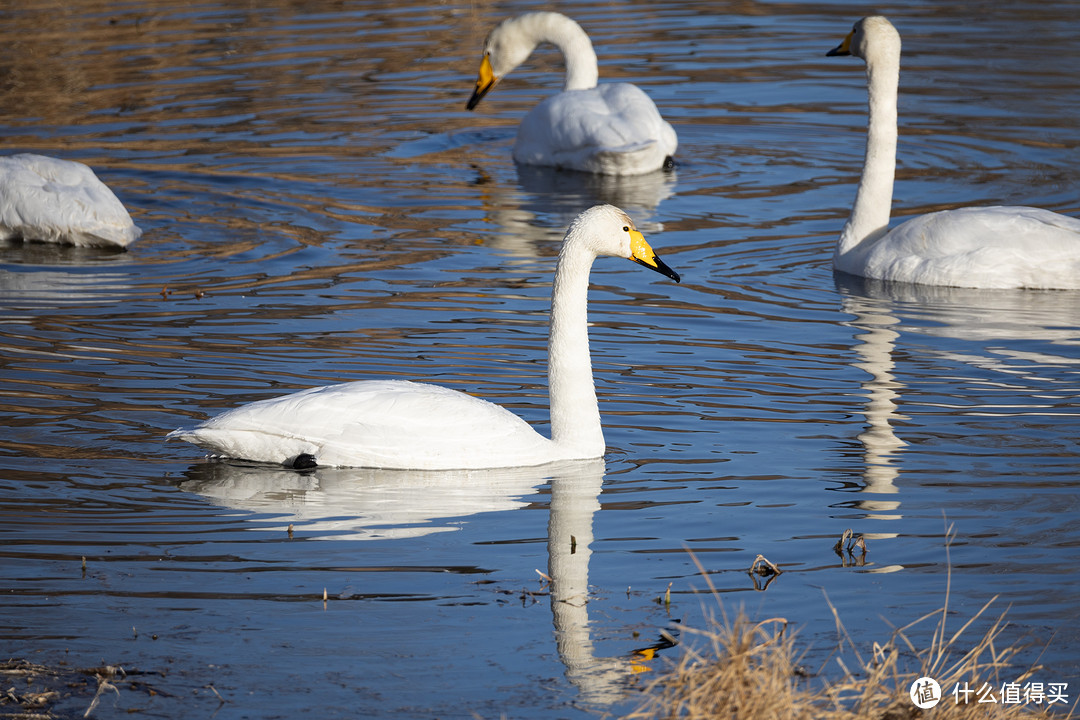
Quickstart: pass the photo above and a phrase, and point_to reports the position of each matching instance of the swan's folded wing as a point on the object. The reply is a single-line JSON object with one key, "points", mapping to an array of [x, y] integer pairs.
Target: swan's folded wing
{"points": [[989, 247], [385, 424]]}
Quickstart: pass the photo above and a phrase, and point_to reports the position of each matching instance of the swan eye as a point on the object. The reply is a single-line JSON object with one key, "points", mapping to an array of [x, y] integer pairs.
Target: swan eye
{"points": [[626, 228]]}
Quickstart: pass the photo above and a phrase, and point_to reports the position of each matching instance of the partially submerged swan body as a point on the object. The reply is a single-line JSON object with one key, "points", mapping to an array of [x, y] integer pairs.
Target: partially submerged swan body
{"points": [[407, 425], [60, 201], [980, 247], [610, 129]]}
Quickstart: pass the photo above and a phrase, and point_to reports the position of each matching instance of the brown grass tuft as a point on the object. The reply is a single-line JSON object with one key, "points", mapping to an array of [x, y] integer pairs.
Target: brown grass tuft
{"points": [[751, 671]]}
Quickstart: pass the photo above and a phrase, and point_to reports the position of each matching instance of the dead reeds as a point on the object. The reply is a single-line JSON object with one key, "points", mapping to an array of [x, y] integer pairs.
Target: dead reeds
{"points": [[751, 670]]}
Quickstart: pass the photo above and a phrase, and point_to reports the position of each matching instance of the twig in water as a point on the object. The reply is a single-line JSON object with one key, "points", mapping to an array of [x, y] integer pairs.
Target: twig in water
{"points": [[103, 685], [847, 543], [214, 690], [764, 567]]}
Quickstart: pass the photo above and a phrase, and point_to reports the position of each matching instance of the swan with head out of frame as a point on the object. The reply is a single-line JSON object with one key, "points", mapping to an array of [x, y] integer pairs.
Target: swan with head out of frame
{"points": [[46, 199]]}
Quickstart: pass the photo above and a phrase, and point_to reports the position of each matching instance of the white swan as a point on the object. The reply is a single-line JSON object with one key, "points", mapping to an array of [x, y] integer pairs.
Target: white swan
{"points": [[610, 129], [984, 247], [405, 425], [60, 201]]}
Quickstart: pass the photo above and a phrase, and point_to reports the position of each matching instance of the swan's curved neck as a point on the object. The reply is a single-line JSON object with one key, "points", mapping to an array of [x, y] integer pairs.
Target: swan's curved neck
{"points": [[575, 413], [873, 200], [573, 43]]}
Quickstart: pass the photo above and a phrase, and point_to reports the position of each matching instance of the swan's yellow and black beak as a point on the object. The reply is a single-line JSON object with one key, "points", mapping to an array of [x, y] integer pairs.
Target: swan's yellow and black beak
{"points": [[843, 48], [642, 253], [484, 82]]}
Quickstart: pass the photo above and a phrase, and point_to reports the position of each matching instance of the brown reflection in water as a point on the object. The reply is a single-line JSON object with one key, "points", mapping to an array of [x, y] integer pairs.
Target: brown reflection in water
{"points": [[66, 62]]}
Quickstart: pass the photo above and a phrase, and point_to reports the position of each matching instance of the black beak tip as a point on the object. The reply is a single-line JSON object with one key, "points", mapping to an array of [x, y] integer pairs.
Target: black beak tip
{"points": [[660, 267], [477, 96], [665, 270]]}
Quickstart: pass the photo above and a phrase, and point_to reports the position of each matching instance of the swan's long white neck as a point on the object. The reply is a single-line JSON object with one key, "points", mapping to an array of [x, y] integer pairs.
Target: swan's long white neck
{"points": [[575, 413], [573, 43], [873, 200]]}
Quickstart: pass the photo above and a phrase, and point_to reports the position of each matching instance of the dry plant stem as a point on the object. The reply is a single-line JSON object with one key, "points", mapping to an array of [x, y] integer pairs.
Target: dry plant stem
{"points": [[840, 544], [103, 685], [763, 566], [751, 671], [849, 541]]}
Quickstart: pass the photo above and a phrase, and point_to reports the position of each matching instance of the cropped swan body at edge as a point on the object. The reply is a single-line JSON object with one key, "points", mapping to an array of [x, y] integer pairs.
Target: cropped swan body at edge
{"points": [[46, 199], [981, 247]]}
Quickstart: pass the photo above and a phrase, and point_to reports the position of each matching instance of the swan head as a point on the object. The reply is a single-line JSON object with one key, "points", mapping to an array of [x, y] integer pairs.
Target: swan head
{"points": [[607, 230], [870, 37], [506, 47]]}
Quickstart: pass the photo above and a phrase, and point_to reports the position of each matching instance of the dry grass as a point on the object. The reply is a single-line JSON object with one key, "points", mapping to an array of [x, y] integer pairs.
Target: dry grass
{"points": [[752, 671]]}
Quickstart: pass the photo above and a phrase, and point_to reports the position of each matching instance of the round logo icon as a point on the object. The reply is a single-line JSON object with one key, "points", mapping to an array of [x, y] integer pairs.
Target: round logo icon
{"points": [[925, 693]]}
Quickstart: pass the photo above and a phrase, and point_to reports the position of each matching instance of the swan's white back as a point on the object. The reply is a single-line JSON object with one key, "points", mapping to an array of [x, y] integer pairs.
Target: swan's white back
{"points": [[610, 129], [406, 425], [986, 247], [981, 247], [60, 201], [432, 426]]}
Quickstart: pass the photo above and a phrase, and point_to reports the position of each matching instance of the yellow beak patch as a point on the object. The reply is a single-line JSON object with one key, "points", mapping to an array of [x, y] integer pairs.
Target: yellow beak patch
{"points": [[487, 75], [843, 48], [484, 82], [641, 252]]}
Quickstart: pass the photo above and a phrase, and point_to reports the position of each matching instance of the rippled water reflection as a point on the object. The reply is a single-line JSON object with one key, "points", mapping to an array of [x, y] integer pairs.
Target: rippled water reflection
{"points": [[319, 207]]}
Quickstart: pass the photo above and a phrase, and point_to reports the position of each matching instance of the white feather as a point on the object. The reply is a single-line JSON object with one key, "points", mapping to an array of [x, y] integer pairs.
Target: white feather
{"points": [[373, 424], [60, 201]]}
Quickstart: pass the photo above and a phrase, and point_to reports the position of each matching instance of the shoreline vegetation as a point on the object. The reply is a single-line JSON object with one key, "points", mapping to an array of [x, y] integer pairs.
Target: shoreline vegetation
{"points": [[754, 670]]}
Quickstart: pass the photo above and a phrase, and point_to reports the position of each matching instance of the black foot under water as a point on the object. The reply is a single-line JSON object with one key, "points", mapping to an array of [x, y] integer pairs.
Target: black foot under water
{"points": [[303, 461], [669, 163]]}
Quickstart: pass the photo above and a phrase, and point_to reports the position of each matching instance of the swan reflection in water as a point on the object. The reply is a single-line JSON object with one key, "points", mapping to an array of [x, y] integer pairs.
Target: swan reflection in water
{"points": [[362, 503], [575, 498], [366, 504], [51, 274], [558, 196], [877, 338], [1010, 333], [568, 192]]}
